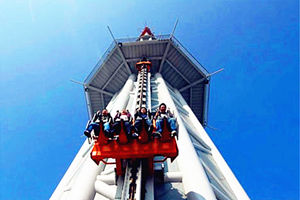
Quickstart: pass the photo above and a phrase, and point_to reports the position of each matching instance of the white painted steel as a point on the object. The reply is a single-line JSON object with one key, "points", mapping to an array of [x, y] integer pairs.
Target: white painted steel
{"points": [[138, 182], [99, 90], [194, 179], [173, 177], [175, 68], [83, 188], [192, 84], [123, 97], [126, 182], [220, 195], [88, 102], [149, 188], [78, 182], [217, 181], [108, 191], [226, 171], [108, 171], [108, 179], [63, 188], [199, 147], [81, 164], [164, 56]]}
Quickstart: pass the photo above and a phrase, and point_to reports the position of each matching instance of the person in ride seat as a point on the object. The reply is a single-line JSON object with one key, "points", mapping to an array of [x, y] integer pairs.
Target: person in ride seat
{"points": [[162, 114], [138, 117], [126, 117], [103, 117]]}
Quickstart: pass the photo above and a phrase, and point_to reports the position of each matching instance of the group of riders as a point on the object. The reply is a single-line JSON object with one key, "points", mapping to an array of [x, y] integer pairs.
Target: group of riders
{"points": [[132, 125]]}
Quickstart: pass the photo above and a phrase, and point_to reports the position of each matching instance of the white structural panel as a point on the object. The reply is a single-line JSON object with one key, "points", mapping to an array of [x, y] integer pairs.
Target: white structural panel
{"points": [[221, 163], [194, 179]]}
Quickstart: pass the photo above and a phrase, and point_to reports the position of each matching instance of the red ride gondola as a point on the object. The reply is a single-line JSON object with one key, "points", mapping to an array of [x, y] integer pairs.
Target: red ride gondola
{"points": [[141, 148], [145, 147]]}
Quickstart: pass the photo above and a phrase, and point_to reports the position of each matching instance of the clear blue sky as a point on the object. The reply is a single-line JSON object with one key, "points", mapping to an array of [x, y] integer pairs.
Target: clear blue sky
{"points": [[254, 102]]}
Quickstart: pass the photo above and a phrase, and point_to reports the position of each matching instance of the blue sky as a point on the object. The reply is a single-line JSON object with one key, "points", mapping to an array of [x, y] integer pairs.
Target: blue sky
{"points": [[254, 102]]}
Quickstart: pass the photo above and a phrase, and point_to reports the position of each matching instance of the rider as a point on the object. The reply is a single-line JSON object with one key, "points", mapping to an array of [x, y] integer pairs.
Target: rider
{"points": [[103, 117], [162, 114], [126, 117], [139, 116]]}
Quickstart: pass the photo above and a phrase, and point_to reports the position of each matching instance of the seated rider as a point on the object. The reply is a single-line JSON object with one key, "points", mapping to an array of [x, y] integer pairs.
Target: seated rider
{"points": [[162, 114], [126, 117], [103, 117], [139, 116]]}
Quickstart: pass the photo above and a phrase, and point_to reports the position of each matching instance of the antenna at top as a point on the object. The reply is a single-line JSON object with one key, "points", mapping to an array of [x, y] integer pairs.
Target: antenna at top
{"points": [[174, 28]]}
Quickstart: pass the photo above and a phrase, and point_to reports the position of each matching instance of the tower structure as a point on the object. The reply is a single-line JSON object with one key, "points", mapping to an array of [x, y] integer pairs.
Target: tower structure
{"points": [[175, 78]]}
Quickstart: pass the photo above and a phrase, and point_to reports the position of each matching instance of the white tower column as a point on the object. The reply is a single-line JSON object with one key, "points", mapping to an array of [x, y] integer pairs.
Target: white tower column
{"points": [[123, 96], [83, 188], [194, 179], [236, 187]]}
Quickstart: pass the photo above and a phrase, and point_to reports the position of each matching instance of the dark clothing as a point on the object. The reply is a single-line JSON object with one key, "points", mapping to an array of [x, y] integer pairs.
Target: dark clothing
{"points": [[171, 124], [127, 122], [140, 116], [94, 125], [160, 115], [98, 117], [138, 121], [125, 117]]}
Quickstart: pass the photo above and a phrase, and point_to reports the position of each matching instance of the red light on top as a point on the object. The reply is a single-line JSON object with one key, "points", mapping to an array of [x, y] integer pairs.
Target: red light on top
{"points": [[146, 30]]}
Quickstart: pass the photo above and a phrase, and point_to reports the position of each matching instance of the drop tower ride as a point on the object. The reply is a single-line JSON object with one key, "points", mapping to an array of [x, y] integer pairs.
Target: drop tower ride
{"points": [[167, 74]]}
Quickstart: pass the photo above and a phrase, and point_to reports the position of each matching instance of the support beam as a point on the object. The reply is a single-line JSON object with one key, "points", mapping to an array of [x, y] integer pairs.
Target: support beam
{"points": [[139, 58], [124, 60], [88, 103], [120, 52], [164, 57], [102, 100], [93, 88], [178, 71], [109, 179], [199, 147], [173, 177], [167, 49], [200, 80], [188, 57], [99, 90], [205, 104], [112, 76], [191, 100], [173, 31], [191, 85], [194, 134], [105, 189], [220, 195], [215, 177]]}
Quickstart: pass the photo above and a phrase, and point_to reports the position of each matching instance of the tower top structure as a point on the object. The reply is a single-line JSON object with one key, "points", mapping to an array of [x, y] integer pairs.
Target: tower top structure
{"points": [[168, 57]]}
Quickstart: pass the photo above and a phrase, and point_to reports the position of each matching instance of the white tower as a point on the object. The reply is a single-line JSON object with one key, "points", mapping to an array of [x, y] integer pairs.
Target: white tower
{"points": [[177, 79]]}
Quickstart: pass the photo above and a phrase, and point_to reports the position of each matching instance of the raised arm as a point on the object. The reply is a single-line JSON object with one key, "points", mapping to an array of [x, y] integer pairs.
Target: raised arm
{"points": [[96, 115]]}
